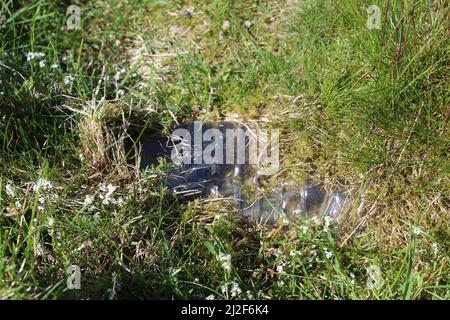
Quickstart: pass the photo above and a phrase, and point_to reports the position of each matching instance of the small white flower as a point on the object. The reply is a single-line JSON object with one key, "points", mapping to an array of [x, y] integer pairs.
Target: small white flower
{"points": [[226, 25], [88, 200], [210, 297], [119, 202], [235, 290], [42, 183], [118, 74], [304, 229], [107, 197], [34, 55], [278, 252], [224, 288], [225, 259], [329, 254], [294, 253], [50, 222], [316, 220], [435, 248], [42, 63], [281, 283], [54, 66], [68, 80], [226, 266], [81, 156], [280, 269], [217, 218], [120, 93], [18, 205], [352, 275]]}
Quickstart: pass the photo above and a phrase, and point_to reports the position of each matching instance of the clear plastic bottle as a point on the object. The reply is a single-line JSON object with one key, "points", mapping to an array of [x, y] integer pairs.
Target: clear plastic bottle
{"points": [[199, 180]]}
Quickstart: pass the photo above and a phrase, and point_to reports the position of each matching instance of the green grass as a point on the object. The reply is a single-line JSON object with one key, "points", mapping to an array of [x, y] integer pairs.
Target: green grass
{"points": [[364, 110]]}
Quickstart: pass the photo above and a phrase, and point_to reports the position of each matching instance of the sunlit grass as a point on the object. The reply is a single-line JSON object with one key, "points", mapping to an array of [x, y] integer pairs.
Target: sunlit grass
{"points": [[364, 110]]}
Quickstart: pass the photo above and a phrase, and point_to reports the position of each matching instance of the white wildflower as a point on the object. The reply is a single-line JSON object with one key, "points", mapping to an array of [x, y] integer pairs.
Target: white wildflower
{"points": [[248, 24], [50, 222], [235, 290], [68, 80], [225, 259], [278, 252], [417, 231], [120, 93], [107, 197], [328, 254], [210, 297], [88, 200], [294, 253], [118, 74], [54, 66], [435, 248], [42, 63], [280, 269], [304, 229], [120, 202], [316, 220], [34, 55], [43, 184], [224, 288], [226, 25]]}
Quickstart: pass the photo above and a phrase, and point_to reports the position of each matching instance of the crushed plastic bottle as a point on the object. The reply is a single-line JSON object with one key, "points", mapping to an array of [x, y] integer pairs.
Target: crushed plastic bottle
{"points": [[190, 181]]}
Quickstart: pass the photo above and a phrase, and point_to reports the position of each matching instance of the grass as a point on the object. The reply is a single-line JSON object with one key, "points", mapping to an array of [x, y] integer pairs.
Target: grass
{"points": [[364, 110]]}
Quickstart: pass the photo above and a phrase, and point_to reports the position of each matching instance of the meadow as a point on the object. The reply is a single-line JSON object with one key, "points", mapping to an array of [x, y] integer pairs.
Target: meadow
{"points": [[361, 98]]}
